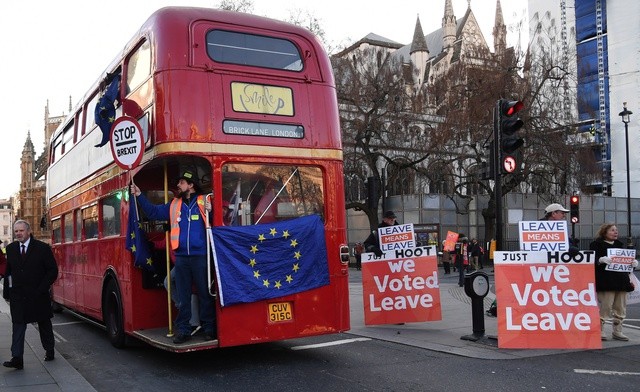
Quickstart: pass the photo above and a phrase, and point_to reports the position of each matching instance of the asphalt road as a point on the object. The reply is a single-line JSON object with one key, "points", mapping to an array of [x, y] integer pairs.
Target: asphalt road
{"points": [[342, 362]]}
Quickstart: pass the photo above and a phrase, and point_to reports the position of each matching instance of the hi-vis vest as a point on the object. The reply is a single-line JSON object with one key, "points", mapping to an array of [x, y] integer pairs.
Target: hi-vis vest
{"points": [[174, 216]]}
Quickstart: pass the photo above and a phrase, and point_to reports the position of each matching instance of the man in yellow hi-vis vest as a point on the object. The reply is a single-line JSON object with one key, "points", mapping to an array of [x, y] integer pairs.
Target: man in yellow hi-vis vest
{"points": [[186, 215]]}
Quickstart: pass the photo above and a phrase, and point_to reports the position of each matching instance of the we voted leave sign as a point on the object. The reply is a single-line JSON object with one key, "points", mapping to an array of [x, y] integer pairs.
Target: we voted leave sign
{"points": [[401, 286], [547, 300]]}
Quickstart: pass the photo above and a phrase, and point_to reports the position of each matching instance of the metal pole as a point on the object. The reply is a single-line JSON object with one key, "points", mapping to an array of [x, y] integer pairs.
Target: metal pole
{"points": [[625, 114], [626, 139], [497, 172]]}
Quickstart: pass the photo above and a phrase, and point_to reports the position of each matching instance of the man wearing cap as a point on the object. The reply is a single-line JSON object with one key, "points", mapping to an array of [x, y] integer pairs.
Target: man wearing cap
{"points": [[371, 244], [555, 211], [186, 214]]}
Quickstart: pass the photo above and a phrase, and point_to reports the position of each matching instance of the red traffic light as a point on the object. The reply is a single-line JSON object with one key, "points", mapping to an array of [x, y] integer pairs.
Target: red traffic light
{"points": [[509, 108], [509, 122], [575, 208]]}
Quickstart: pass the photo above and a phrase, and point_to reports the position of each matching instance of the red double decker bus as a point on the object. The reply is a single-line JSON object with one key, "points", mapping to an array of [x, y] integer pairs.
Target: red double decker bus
{"points": [[246, 103]]}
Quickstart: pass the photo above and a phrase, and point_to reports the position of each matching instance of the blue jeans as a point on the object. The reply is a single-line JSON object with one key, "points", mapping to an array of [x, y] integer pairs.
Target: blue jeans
{"points": [[195, 310], [192, 271]]}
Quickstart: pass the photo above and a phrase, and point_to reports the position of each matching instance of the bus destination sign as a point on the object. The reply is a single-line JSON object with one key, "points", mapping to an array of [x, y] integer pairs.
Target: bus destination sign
{"points": [[127, 142], [263, 129]]}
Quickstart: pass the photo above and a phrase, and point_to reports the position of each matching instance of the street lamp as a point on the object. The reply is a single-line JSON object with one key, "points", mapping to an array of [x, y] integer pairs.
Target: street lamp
{"points": [[625, 119]]}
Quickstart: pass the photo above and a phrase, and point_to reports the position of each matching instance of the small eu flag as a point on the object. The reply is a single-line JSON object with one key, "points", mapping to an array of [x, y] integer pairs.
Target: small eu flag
{"points": [[136, 241], [105, 112], [270, 260]]}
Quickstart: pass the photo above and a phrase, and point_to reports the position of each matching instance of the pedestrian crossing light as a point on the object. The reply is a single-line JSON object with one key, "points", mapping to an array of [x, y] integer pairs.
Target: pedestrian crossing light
{"points": [[575, 209], [509, 124]]}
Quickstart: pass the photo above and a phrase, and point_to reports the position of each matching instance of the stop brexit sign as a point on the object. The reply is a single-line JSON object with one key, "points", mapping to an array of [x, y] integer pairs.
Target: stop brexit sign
{"points": [[127, 142]]}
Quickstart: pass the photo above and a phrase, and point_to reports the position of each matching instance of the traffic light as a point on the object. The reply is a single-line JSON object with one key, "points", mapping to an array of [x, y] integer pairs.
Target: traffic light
{"points": [[575, 209], [509, 124]]}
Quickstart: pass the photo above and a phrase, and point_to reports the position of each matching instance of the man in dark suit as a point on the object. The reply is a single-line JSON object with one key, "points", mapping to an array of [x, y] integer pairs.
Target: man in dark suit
{"points": [[31, 270]]}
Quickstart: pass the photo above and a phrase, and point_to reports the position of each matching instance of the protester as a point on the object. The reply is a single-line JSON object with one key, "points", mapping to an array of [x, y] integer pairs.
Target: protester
{"points": [[611, 286], [3, 263], [372, 244], [186, 215], [446, 259], [462, 257], [357, 252], [474, 254], [554, 212], [31, 270]]}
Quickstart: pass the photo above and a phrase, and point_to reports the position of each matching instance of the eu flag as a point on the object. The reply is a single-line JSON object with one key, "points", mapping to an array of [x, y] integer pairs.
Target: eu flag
{"points": [[270, 260], [105, 112], [136, 241]]}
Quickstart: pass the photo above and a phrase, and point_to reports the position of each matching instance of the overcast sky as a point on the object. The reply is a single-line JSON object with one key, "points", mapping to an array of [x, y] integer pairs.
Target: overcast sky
{"points": [[55, 49]]}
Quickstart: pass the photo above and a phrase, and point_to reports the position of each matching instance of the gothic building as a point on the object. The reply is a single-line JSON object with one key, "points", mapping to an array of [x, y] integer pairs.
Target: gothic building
{"points": [[457, 55], [458, 41], [32, 198]]}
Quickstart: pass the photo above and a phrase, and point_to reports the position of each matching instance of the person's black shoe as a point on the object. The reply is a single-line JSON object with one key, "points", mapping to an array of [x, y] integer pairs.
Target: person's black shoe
{"points": [[15, 363], [180, 338], [50, 355]]}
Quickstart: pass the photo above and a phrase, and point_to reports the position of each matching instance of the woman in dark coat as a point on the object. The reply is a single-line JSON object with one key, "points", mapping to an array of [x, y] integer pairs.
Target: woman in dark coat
{"points": [[611, 286], [26, 286]]}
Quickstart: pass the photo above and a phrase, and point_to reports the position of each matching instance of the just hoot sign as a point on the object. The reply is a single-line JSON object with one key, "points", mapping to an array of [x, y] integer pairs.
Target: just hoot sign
{"points": [[401, 286], [547, 300]]}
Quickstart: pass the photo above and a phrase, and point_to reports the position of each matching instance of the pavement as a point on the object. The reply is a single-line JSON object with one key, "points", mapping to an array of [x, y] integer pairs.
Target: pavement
{"points": [[446, 335], [37, 375], [443, 336]]}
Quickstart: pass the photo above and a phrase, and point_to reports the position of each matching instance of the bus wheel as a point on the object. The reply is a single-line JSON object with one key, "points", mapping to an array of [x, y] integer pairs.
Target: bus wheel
{"points": [[113, 315]]}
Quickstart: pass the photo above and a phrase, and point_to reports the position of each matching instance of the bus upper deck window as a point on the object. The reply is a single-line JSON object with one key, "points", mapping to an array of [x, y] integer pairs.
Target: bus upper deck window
{"points": [[254, 50]]}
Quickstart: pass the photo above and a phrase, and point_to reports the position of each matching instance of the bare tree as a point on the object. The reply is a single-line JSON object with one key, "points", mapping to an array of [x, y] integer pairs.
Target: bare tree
{"points": [[245, 6], [552, 162], [304, 18], [436, 138], [384, 126]]}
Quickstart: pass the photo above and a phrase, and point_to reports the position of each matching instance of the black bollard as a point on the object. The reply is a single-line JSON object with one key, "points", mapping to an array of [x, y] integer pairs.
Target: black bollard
{"points": [[476, 286]]}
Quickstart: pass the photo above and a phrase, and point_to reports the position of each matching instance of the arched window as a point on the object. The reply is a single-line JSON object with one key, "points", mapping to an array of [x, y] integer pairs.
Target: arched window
{"points": [[472, 187], [400, 181], [354, 188], [441, 180]]}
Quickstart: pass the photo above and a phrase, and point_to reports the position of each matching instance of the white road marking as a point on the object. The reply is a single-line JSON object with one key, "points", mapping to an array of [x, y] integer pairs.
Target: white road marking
{"points": [[334, 343], [606, 372], [59, 337]]}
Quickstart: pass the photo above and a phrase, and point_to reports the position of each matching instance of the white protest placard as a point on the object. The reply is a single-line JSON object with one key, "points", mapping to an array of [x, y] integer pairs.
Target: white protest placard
{"points": [[127, 142], [621, 259], [396, 237], [546, 236]]}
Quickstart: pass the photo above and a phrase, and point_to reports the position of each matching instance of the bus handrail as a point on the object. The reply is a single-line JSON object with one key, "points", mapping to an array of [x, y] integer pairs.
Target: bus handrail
{"points": [[276, 196], [207, 224]]}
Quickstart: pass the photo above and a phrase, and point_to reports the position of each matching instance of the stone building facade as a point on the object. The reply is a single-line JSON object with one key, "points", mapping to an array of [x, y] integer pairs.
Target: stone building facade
{"points": [[32, 197]]}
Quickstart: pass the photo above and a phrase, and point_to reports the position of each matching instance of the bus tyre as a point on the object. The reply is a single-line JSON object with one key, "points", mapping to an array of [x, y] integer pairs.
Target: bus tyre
{"points": [[112, 310]]}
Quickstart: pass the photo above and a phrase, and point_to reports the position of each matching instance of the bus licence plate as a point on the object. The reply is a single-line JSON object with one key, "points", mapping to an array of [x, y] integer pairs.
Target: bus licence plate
{"points": [[280, 311]]}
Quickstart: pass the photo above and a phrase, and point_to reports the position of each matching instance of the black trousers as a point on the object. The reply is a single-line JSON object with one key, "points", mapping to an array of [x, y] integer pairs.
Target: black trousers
{"points": [[18, 334]]}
